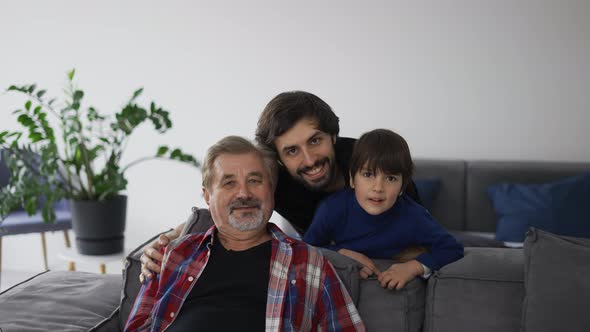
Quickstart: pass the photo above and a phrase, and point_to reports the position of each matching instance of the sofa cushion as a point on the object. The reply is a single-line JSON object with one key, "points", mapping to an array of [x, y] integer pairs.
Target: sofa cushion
{"points": [[561, 207], [59, 301], [481, 292], [427, 190], [556, 281], [481, 174]]}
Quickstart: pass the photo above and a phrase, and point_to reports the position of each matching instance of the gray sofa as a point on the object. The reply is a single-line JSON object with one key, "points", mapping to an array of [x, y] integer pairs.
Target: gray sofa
{"points": [[484, 291]]}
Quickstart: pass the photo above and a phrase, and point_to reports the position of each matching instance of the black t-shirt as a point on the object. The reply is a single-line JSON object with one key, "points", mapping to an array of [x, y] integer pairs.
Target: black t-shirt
{"points": [[297, 204], [230, 294]]}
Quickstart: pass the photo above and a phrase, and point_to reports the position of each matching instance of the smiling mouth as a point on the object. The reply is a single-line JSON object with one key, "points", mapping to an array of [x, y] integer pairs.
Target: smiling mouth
{"points": [[315, 172]]}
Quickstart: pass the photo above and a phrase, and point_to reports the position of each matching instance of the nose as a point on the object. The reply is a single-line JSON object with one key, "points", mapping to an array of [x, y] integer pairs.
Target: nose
{"points": [[308, 159], [378, 184], [243, 191]]}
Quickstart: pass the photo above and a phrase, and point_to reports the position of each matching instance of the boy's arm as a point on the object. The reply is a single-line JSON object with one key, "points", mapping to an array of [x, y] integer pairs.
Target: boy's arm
{"points": [[443, 247], [399, 274]]}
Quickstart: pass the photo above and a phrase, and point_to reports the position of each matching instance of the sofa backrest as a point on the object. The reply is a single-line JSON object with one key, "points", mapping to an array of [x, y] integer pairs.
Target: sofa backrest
{"points": [[449, 205], [479, 213], [462, 203]]}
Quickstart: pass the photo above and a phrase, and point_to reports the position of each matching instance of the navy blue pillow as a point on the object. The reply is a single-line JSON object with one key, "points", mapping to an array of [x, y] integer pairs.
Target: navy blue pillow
{"points": [[561, 207], [427, 190]]}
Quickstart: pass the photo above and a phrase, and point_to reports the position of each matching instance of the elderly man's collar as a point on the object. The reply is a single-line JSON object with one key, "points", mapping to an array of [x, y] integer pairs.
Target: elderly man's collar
{"points": [[209, 237]]}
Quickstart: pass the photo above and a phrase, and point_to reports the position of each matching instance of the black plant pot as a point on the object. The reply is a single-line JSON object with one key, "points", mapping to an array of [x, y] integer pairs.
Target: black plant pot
{"points": [[99, 226]]}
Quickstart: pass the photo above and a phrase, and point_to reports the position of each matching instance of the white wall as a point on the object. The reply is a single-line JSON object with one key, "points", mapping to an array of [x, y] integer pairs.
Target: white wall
{"points": [[459, 79]]}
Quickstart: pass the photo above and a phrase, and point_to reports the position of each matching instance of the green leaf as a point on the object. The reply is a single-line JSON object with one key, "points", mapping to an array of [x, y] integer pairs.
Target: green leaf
{"points": [[37, 110], [137, 93], [78, 94], [31, 88], [31, 205], [41, 93], [71, 74], [25, 120], [35, 137], [176, 154], [162, 150], [28, 105]]}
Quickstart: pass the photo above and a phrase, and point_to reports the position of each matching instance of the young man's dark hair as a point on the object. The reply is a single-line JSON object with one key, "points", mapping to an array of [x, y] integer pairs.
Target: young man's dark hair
{"points": [[288, 108], [383, 150]]}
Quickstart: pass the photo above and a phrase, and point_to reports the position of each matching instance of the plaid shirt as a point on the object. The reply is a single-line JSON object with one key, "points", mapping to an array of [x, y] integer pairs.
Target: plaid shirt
{"points": [[304, 291]]}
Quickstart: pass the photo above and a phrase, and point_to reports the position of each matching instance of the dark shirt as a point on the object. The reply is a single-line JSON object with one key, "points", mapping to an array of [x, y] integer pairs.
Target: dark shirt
{"points": [[231, 293], [297, 204]]}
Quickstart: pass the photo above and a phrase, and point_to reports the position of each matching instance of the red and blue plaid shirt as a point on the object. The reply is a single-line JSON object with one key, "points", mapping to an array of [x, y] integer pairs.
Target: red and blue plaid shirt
{"points": [[304, 291]]}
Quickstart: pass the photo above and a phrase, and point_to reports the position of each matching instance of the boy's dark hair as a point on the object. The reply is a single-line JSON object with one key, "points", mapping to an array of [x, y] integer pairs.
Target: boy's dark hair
{"points": [[384, 150], [288, 108]]}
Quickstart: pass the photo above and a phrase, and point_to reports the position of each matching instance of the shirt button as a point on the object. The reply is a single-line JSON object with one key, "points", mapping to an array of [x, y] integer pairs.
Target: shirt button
{"points": [[172, 314], [293, 282], [191, 278]]}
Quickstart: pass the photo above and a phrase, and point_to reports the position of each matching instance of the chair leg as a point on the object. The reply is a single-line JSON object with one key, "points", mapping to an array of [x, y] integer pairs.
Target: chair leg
{"points": [[67, 238], [44, 247]]}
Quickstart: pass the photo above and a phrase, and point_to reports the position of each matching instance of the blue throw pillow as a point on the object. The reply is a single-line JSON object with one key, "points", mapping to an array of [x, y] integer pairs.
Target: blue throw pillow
{"points": [[427, 191], [561, 207]]}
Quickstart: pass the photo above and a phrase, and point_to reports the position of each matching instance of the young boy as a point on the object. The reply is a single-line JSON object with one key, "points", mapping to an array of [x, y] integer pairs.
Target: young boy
{"points": [[375, 219]]}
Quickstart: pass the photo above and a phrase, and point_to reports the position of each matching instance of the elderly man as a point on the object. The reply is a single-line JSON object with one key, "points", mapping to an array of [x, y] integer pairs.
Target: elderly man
{"points": [[243, 274]]}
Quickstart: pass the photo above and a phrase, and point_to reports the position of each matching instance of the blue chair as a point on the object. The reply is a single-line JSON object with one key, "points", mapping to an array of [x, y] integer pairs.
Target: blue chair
{"points": [[19, 222]]}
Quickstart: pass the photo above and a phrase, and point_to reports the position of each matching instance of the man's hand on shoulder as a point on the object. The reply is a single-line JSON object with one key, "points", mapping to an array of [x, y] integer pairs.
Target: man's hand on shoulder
{"points": [[151, 259]]}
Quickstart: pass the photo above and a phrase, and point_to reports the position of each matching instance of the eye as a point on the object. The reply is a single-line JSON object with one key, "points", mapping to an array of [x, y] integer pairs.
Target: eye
{"points": [[254, 181], [391, 178], [315, 141], [291, 151], [366, 174], [229, 183]]}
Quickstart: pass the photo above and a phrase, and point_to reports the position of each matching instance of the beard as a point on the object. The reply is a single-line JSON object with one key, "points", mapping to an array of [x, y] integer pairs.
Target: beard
{"points": [[317, 184], [247, 221]]}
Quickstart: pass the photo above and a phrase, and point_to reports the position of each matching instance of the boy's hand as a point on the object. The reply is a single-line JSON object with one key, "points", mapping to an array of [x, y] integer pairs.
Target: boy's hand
{"points": [[398, 275], [369, 268]]}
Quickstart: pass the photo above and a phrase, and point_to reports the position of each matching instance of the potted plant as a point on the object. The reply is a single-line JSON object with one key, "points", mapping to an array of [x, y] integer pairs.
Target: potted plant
{"points": [[67, 151]]}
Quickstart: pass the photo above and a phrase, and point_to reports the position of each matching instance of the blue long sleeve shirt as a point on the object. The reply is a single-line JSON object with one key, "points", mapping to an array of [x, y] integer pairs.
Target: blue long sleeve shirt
{"points": [[340, 222]]}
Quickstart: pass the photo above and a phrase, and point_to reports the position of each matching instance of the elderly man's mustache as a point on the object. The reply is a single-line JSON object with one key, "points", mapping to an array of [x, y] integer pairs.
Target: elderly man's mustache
{"points": [[244, 203]]}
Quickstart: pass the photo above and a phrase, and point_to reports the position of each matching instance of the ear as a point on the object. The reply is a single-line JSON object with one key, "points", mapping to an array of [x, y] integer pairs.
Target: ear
{"points": [[206, 195], [351, 181], [334, 139]]}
